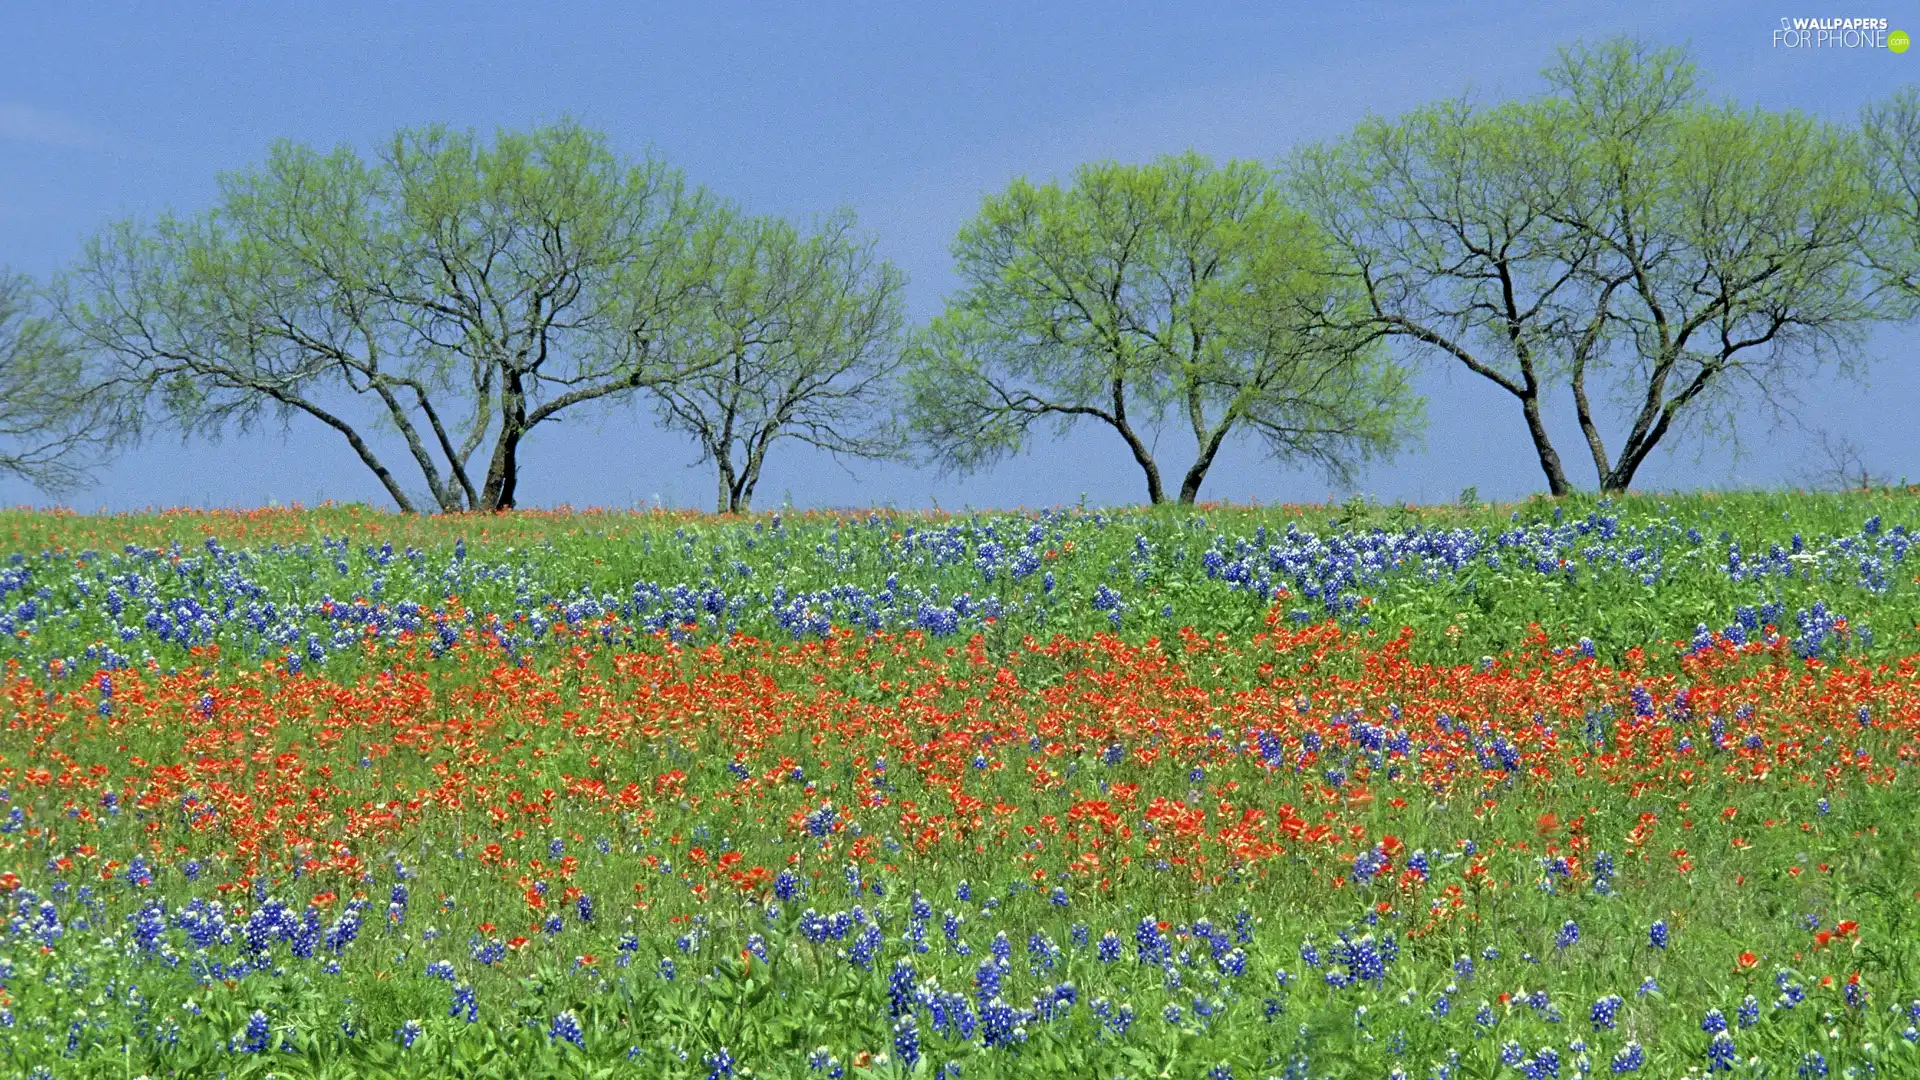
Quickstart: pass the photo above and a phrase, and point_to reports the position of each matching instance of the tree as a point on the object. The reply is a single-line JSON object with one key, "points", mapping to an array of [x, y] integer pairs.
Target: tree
{"points": [[1841, 466], [50, 432], [1616, 233], [1890, 131], [1735, 233], [795, 337], [1143, 293], [462, 293], [1444, 218]]}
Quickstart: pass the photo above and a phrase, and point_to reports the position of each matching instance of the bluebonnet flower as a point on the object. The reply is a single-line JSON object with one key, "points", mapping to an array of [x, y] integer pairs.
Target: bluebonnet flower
{"points": [[786, 886], [1605, 1011], [986, 979], [906, 1040], [865, 948], [1657, 934], [1642, 701], [1150, 946], [1569, 935], [1791, 993], [900, 988], [257, 1035], [821, 820], [719, 1063], [464, 1002], [566, 1028], [951, 1015], [1721, 1053], [409, 1032], [1629, 1058], [1364, 960], [149, 924], [1233, 963], [1367, 864], [997, 1023]]}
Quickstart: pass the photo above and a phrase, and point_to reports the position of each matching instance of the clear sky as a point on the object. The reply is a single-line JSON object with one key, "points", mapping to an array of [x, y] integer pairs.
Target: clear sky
{"points": [[906, 113]]}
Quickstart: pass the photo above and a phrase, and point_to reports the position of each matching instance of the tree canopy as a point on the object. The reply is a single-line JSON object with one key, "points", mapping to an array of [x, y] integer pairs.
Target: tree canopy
{"points": [[51, 432], [462, 293], [1890, 134], [1177, 291], [792, 337], [1616, 238], [1619, 246]]}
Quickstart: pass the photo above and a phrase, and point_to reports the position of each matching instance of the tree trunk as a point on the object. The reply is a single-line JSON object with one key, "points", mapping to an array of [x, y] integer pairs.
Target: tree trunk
{"points": [[1620, 477], [1549, 457], [1595, 445], [724, 470], [503, 472], [1197, 472], [1155, 493], [750, 473], [1657, 413]]}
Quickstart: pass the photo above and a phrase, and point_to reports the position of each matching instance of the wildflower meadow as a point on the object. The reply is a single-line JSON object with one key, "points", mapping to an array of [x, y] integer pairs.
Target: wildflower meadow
{"points": [[1566, 788]]}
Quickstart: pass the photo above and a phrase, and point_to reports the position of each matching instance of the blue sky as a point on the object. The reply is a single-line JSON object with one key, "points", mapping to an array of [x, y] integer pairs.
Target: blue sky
{"points": [[905, 113]]}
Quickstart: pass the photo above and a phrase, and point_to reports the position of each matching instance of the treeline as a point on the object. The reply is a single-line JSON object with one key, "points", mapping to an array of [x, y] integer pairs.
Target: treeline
{"points": [[1661, 262]]}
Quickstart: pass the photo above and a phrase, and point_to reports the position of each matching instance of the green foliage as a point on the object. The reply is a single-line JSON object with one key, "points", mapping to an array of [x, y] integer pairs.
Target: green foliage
{"points": [[1618, 239], [461, 292], [1152, 558], [792, 337], [1175, 292], [771, 1013], [49, 425]]}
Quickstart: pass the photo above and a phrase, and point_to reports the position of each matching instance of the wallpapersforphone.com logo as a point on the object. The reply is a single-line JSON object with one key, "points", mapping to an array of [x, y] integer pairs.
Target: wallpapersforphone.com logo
{"points": [[1820, 33]]}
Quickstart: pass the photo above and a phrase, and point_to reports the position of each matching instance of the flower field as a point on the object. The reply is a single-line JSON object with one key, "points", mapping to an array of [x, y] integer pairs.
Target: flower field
{"points": [[1548, 790]]}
